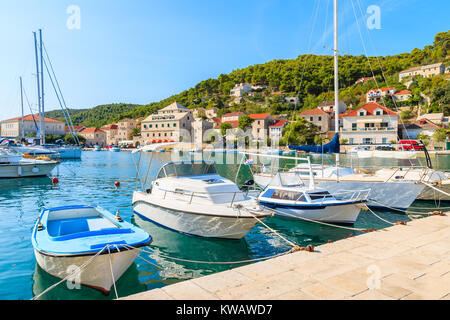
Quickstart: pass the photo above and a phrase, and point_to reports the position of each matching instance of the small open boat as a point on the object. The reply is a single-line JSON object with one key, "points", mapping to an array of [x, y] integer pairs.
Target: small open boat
{"points": [[68, 237], [314, 203]]}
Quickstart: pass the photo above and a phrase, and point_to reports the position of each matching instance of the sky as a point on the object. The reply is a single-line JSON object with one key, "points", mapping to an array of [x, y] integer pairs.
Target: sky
{"points": [[142, 51]]}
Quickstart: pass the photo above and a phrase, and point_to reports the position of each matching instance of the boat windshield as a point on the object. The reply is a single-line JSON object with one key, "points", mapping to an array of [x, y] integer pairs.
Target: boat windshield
{"points": [[180, 169]]}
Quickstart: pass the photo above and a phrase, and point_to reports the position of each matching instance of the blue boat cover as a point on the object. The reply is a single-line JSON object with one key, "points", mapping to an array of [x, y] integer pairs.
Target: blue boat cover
{"points": [[331, 147], [84, 234]]}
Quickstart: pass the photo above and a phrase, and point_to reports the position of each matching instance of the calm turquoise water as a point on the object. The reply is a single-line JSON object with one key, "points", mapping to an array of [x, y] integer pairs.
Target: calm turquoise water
{"points": [[91, 181]]}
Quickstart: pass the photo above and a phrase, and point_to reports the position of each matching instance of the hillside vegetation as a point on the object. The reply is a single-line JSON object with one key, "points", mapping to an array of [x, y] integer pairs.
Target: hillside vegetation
{"points": [[310, 77]]}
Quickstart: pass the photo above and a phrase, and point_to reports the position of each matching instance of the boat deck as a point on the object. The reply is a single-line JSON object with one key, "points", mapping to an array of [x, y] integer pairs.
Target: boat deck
{"points": [[401, 262]]}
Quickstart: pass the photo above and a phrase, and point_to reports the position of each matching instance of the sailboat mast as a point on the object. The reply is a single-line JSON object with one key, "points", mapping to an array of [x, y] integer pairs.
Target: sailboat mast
{"points": [[336, 75], [42, 88], [21, 104], [38, 86]]}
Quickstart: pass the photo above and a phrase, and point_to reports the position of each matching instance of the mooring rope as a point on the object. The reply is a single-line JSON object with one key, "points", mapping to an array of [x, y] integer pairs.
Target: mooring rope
{"points": [[76, 271], [112, 272], [409, 211], [216, 262]]}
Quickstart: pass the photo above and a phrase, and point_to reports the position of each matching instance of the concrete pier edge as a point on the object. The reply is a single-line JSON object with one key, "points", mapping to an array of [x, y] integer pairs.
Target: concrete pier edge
{"points": [[409, 261]]}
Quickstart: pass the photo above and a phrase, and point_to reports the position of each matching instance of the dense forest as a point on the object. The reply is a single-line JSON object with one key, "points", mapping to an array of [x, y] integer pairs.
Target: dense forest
{"points": [[309, 77]]}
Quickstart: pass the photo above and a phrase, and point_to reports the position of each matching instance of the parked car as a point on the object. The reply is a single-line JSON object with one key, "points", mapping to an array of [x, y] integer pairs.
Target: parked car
{"points": [[385, 148], [410, 145]]}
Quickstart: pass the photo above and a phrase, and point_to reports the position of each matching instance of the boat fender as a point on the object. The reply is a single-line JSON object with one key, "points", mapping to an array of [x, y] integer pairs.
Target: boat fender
{"points": [[35, 169], [117, 184], [118, 217], [55, 180], [19, 171]]}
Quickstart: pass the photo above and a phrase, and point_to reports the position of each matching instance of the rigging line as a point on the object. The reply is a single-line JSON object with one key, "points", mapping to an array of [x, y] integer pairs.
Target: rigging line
{"points": [[71, 129], [57, 95], [370, 65], [383, 75], [29, 106], [314, 17]]}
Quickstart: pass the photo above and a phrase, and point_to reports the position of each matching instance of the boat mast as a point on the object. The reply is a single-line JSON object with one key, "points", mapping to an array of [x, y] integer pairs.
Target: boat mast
{"points": [[336, 72], [42, 88], [21, 104], [336, 81], [38, 86]]}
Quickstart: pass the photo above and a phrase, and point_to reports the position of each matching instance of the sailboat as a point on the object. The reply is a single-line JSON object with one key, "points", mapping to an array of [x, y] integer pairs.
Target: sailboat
{"points": [[64, 151]]}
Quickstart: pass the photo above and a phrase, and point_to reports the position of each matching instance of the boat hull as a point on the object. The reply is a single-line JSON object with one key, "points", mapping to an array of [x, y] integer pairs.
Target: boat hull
{"points": [[69, 153], [397, 195], [430, 194], [202, 225], [97, 274], [26, 170], [340, 214]]}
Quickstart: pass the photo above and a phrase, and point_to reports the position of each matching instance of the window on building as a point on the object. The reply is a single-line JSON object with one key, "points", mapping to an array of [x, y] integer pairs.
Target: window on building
{"points": [[311, 118], [320, 118], [354, 126]]}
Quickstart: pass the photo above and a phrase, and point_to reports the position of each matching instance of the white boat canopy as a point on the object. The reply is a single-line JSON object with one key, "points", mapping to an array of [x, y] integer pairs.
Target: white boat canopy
{"points": [[155, 146]]}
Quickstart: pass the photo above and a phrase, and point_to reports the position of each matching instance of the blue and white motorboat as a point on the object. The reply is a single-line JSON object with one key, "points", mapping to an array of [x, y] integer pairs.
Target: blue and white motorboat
{"points": [[97, 148], [312, 203], [101, 245], [114, 149]]}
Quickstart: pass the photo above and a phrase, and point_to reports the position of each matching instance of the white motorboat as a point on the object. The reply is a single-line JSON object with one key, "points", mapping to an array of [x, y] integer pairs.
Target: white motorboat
{"points": [[65, 151], [191, 198], [311, 203], [90, 239], [114, 149], [409, 183], [97, 148], [35, 151], [13, 165]]}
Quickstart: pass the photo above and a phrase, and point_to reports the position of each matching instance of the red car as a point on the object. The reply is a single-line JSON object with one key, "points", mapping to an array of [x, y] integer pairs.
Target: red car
{"points": [[410, 145]]}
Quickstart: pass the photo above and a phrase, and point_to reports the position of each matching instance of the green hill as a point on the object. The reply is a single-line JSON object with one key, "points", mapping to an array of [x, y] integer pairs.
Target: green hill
{"points": [[310, 77]]}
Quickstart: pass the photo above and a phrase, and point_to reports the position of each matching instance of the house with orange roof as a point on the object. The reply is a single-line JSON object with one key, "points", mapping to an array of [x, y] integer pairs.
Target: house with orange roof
{"points": [[13, 127], [276, 129], [319, 118], [232, 116], [260, 125], [111, 131], [94, 136], [413, 129], [370, 124], [375, 95], [364, 79], [402, 95]]}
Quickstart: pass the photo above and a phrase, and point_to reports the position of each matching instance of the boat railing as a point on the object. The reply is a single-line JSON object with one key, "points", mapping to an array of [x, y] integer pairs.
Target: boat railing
{"points": [[354, 195], [204, 195]]}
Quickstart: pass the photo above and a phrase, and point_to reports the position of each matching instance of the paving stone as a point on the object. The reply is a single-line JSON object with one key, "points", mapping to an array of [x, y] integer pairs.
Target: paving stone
{"points": [[371, 295], [155, 294], [322, 291], [409, 262], [188, 290], [295, 295], [222, 280]]}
